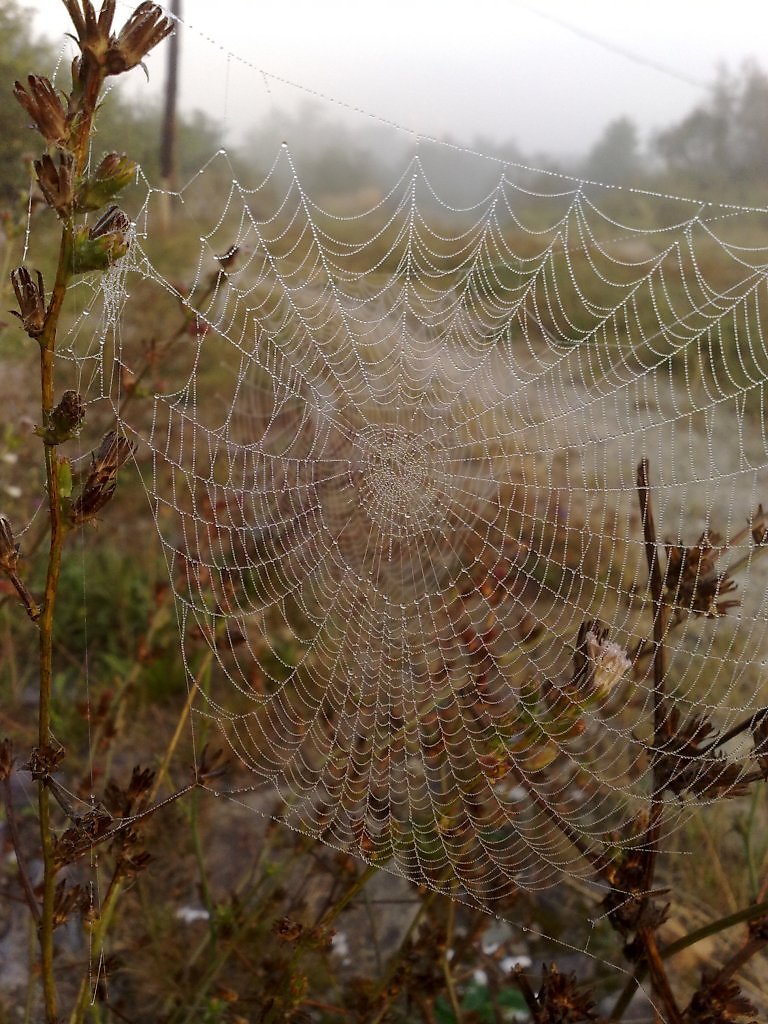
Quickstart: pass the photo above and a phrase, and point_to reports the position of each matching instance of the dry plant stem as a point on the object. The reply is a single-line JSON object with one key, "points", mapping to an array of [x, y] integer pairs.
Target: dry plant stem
{"points": [[658, 975], [47, 355], [445, 963], [747, 723], [656, 584], [520, 978], [114, 892], [29, 603], [359, 883], [204, 883], [106, 911], [598, 861], [47, 342], [97, 936], [272, 1014], [10, 820], [751, 945], [167, 345], [125, 686], [396, 960], [495, 991], [374, 931], [647, 935], [162, 771], [722, 924], [750, 913]]}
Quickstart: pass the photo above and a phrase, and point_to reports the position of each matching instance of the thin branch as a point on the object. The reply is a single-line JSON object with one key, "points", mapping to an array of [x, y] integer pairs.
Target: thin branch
{"points": [[30, 605], [647, 935], [656, 584], [13, 831], [658, 974], [747, 723], [520, 978], [599, 862], [445, 965], [751, 945], [751, 913]]}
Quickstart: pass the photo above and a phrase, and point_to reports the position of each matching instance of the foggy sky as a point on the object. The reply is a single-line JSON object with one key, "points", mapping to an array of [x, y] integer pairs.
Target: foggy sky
{"points": [[548, 74]]}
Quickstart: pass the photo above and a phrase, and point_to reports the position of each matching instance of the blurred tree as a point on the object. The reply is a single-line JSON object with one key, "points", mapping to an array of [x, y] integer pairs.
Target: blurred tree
{"points": [[122, 125], [724, 141], [19, 54], [126, 127], [616, 156], [331, 157]]}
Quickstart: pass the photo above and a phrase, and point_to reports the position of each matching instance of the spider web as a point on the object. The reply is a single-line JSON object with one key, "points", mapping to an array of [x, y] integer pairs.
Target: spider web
{"points": [[394, 476]]}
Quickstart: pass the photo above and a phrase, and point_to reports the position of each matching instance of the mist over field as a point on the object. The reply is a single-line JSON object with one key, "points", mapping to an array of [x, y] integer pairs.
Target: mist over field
{"points": [[509, 77]]}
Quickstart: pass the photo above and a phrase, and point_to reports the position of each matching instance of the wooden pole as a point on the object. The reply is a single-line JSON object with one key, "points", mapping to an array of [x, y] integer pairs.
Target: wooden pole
{"points": [[168, 147]]}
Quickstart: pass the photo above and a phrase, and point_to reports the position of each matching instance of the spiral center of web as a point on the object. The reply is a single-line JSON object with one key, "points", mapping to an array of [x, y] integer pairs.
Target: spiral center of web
{"points": [[401, 479]]}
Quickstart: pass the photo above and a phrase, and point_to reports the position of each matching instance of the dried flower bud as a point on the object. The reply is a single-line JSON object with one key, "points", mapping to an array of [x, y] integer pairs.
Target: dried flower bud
{"points": [[101, 481], [287, 930], [65, 421], [93, 34], [692, 581], [89, 831], [125, 802], [30, 296], [598, 663], [105, 243], [43, 761], [211, 764], [45, 107], [146, 27], [713, 778], [133, 862], [140, 784], [67, 900], [112, 221], [759, 528], [9, 549], [111, 176], [687, 761], [56, 182], [563, 999], [719, 1001]]}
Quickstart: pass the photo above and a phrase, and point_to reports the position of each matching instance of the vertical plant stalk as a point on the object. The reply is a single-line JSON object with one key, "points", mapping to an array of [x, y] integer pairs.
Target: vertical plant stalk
{"points": [[13, 831], [646, 934], [656, 584], [47, 341], [445, 963], [66, 125], [97, 937], [385, 993], [751, 913], [46, 621]]}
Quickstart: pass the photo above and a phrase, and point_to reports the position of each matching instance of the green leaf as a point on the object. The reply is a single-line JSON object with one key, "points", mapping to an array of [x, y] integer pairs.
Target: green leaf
{"points": [[478, 1001], [64, 474]]}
